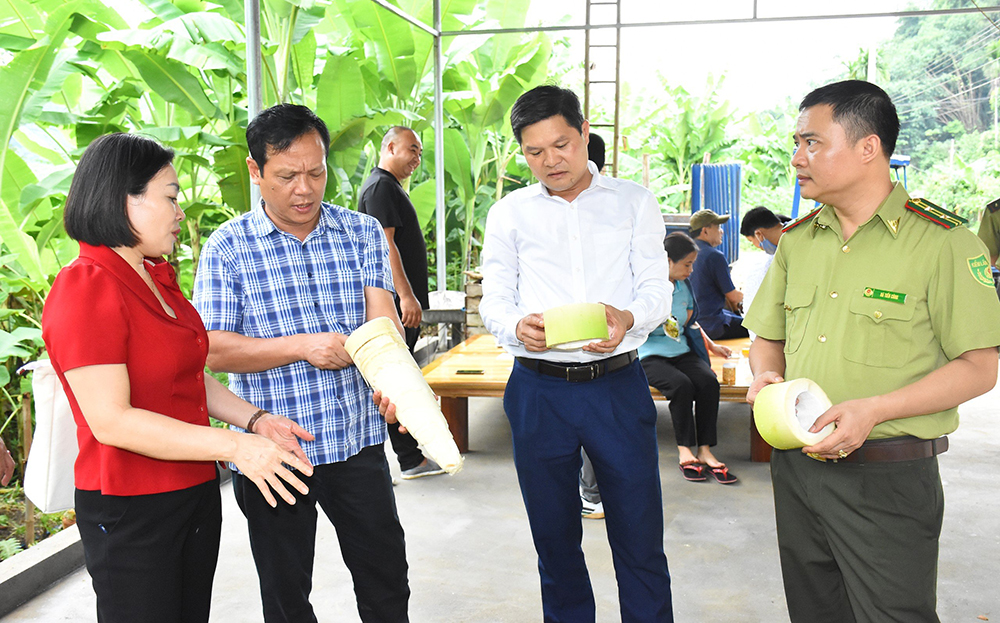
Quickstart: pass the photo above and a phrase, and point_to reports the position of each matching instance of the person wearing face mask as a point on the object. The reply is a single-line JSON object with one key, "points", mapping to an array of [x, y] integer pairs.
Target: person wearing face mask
{"points": [[763, 229]]}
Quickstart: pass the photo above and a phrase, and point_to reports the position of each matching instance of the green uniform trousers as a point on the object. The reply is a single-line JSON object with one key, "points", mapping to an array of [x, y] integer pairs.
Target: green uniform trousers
{"points": [[858, 543]]}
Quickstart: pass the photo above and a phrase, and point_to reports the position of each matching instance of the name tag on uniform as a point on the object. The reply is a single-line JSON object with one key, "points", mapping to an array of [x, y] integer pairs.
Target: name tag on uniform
{"points": [[884, 295]]}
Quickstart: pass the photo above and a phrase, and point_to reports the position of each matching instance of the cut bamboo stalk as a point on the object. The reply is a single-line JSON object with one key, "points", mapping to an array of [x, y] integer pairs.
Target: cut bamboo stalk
{"points": [[387, 365]]}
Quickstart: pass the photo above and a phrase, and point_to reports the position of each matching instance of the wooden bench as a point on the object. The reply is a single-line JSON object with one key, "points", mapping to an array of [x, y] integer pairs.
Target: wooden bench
{"points": [[478, 367]]}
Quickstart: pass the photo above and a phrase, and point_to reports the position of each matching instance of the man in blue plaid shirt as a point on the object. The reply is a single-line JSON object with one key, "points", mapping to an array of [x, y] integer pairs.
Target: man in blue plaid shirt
{"points": [[279, 289]]}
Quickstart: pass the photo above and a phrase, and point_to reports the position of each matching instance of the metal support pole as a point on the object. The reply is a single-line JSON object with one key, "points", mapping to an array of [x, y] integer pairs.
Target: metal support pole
{"points": [[255, 98], [618, 87], [442, 255]]}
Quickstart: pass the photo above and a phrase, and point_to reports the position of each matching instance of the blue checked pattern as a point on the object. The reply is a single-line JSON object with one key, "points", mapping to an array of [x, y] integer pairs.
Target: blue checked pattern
{"points": [[259, 281]]}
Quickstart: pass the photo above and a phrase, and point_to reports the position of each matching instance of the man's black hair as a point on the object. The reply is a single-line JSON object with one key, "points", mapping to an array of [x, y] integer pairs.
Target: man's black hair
{"points": [[278, 127], [595, 150], [758, 218], [861, 108], [112, 167], [679, 245], [543, 102]]}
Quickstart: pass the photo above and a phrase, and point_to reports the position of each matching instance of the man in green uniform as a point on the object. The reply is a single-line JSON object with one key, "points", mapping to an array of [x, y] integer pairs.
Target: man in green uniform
{"points": [[989, 230], [887, 303], [989, 233]]}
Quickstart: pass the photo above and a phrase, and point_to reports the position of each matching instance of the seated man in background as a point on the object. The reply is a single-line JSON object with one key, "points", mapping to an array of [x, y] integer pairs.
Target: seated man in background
{"points": [[713, 287]]}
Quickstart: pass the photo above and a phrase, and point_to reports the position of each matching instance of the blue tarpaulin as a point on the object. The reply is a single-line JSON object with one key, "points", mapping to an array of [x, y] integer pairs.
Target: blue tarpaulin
{"points": [[720, 193]]}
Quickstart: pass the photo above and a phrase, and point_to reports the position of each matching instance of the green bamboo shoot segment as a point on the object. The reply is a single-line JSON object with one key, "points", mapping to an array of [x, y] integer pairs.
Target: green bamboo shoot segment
{"points": [[784, 412], [387, 365], [575, 325]]}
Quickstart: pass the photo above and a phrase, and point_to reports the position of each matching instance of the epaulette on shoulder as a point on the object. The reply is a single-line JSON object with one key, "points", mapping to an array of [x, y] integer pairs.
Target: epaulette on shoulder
{"points": [[993, 206], [935, 214], [794, 224]]}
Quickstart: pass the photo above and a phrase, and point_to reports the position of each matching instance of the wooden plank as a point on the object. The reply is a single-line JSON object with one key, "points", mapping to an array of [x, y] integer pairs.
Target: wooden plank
{"points": [[486, 368]]}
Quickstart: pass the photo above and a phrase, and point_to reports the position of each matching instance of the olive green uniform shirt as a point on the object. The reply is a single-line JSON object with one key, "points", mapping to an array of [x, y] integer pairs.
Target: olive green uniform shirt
{"points": [[989, 231], [901, 298]]}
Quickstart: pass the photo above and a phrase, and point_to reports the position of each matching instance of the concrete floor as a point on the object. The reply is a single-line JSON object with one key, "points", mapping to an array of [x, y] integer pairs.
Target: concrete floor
{"points": [[471, 558]]}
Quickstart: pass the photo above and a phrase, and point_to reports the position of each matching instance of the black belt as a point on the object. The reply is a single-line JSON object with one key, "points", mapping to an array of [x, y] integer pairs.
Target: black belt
{"points": [[579, 372], [896, 450]]}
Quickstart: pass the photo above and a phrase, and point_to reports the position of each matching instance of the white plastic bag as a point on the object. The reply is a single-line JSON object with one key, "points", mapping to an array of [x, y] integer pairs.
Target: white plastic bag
{"points": [[48, 477]]}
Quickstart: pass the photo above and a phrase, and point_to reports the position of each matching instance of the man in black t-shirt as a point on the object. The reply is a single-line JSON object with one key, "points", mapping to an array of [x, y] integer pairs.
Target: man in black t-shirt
{"points": [[383, 197]]}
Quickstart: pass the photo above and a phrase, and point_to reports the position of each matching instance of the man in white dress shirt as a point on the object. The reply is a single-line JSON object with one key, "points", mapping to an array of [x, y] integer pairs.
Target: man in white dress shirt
{"points": [[580, 237]]}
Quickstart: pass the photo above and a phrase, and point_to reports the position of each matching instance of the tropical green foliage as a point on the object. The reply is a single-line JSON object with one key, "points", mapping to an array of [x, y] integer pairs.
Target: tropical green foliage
{"points": [[945, 79], [175, 70], [9, 547], [677, 129], [942, 70]]}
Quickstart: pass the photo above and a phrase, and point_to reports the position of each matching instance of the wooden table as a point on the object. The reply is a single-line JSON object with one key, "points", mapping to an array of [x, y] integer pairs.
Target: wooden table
{"points": [[491, 366]]}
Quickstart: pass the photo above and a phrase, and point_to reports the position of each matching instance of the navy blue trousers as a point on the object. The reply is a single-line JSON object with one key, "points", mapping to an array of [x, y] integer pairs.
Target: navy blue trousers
{"points": [[614, 419]]}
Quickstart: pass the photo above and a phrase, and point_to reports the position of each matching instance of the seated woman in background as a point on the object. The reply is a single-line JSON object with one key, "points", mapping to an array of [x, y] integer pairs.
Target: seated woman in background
{"points": [[676, 362], [130, 352]]}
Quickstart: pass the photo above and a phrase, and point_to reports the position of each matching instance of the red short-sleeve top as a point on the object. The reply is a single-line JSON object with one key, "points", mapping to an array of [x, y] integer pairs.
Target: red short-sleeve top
{"points": [[100, 311]]}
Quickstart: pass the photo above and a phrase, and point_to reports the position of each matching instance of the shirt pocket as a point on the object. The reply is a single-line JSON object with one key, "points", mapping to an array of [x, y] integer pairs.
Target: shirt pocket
{"points": [[798, 307], [882, 332]]}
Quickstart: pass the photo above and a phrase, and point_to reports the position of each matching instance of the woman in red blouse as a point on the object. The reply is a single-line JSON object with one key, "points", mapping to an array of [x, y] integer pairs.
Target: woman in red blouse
{"points": [[130, 352]]}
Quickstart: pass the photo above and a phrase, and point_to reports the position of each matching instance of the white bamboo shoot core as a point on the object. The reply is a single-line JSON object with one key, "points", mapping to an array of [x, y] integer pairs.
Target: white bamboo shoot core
{"points": [[387, 365]]}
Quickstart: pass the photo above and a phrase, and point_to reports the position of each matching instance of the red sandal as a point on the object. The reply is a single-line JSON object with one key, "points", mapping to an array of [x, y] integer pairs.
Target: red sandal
{"points": [[693, 471], [722, 475]]}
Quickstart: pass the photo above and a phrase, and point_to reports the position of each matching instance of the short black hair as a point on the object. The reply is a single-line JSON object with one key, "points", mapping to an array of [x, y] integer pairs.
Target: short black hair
{"points": [[679, 245], [278, 127], [758, 218], [693, 233], [112, 167], [595, 150], [543, 102], [861, 108]]}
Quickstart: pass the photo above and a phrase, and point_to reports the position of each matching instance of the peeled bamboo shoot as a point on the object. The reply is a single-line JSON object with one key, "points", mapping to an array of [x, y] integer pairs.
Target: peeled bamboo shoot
{"points": [[572, 326], [387, 365], [784, 413]]}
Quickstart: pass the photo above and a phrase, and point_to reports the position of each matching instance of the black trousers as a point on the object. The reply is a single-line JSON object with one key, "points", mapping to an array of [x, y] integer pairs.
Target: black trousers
{"points": [[858, 543], [732, 329], [693, 391], [152, 558], [403, 444], [356, 496]]}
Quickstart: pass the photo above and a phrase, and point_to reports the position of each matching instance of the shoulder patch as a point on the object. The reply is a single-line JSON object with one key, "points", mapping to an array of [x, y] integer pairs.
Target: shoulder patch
{"points": [[798, 222], [993, 206], [935, 214]]}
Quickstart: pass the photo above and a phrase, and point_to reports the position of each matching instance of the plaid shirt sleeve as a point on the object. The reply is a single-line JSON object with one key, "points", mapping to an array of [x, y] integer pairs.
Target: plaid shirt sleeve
{"points": [[375, 268], [217, 286]]}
